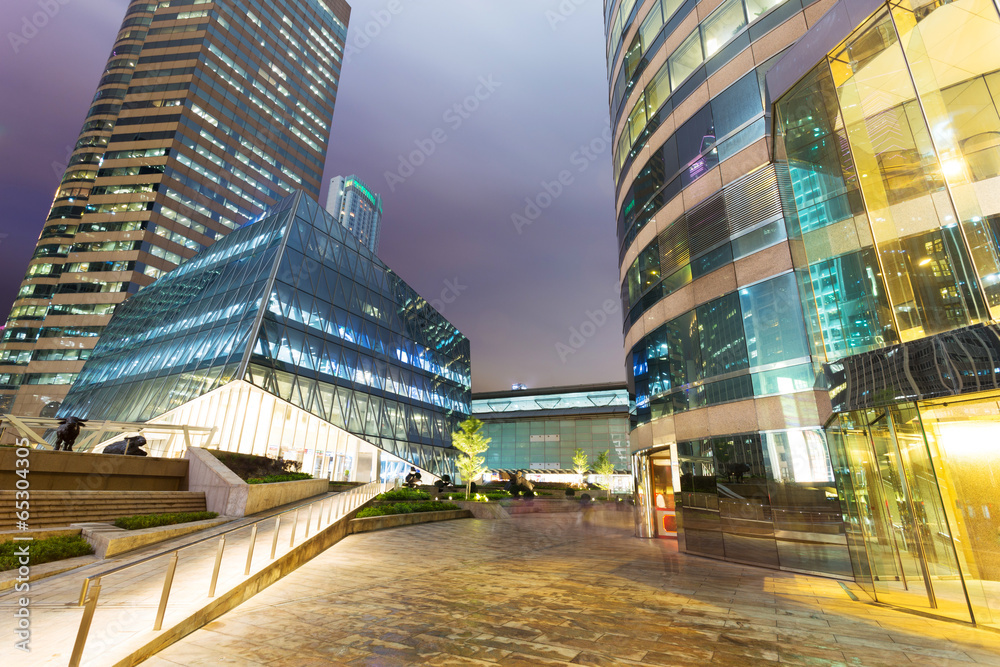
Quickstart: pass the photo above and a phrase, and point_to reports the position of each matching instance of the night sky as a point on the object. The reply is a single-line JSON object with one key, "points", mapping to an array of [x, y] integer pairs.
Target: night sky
{"points": [[536, 294]]}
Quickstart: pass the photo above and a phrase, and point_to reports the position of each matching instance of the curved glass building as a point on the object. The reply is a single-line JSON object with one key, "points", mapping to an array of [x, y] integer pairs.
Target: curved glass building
{"points": [[727, 429], [887, 131]]}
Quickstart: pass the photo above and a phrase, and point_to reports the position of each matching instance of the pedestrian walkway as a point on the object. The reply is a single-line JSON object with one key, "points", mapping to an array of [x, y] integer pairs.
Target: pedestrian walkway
{"points": [[557, 590], [129, 599]]}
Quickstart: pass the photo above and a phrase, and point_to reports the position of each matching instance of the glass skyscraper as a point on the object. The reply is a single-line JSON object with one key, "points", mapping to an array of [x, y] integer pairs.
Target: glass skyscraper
{"points": [[887, 135], [728, 416], [206, 113], [287, 335], [357, 207]]}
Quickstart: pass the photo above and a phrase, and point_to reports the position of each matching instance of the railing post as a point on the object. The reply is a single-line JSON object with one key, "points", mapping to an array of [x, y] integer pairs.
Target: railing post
{"points": [[309, 519], [329, 512], [295, 525], [274, 539], [319, 514], [88, 617], [218, 564], [83, 591], [167, 583], [253, 541]]}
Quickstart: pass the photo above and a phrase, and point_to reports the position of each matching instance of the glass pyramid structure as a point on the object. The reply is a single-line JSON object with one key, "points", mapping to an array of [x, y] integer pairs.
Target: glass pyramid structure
{"points": [[294, 305]]}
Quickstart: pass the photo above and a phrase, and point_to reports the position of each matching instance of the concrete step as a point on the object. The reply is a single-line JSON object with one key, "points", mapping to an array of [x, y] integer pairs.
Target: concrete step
{"points": [[61, 508]]}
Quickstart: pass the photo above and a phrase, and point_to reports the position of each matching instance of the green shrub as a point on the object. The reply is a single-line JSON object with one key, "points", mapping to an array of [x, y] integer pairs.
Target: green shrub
{"points": [[406, 508], [44, 551], [155, 520], [247, 466], [286, 477], [404, 494]]}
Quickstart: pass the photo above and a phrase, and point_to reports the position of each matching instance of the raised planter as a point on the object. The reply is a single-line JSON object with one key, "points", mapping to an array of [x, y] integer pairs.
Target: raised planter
{"points": [[491, 510], [557, 505], [370, 523], [229, 495], [37, 533], [9, 578], [109, 540]]}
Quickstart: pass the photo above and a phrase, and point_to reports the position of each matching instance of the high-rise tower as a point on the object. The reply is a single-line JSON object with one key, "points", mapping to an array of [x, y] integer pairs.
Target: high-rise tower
{"points": [[207, 112], [357, 207], [729, 415]]}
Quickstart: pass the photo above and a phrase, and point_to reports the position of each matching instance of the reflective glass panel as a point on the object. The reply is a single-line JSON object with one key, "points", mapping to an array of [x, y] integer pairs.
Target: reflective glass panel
{"points": [[685, 59], [724, 22], [772, 321]]}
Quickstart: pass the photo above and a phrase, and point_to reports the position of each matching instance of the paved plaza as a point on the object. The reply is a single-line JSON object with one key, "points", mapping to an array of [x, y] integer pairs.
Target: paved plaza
{"points": [[559, 590]]}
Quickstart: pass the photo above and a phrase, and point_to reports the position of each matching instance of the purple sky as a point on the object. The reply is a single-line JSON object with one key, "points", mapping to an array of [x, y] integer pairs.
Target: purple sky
{"points": [[448, 231]]}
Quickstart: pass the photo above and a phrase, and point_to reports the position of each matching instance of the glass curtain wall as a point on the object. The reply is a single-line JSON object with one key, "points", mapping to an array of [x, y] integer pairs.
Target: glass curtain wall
{"points": [[252, 421], [892, 150], [764, 498], [920, 483], [549, 444], [893, 174]]}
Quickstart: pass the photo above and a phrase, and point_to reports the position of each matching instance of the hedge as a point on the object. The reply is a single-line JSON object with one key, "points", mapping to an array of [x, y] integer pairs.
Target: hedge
{"points": [[43, 551], [286, 477], [406, 508], [404, 494], [155, 520]]}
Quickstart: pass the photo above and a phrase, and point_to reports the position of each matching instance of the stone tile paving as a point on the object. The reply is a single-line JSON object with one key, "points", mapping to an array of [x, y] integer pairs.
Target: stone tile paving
{"points": [[129, 599], [559, 590]]}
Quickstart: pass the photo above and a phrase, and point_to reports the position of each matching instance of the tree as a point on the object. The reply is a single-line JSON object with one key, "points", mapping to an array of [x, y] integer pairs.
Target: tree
{"points": [[470, 441], [580, 464], [605, 468]]}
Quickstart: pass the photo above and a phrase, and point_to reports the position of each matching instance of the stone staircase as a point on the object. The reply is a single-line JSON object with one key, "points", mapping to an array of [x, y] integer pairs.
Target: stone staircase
{"points": [[61, 508]]}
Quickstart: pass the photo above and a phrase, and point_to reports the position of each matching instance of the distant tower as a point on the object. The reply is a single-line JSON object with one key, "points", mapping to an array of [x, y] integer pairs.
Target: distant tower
{"points": [[206, 114], [357, 208]]}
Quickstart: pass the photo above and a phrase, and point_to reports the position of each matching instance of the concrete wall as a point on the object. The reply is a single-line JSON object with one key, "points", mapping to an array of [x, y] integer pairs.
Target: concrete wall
{"points": [[78, 471], [109, 541], [368, 523], [225, 492], [229, 495], [265, 496]]}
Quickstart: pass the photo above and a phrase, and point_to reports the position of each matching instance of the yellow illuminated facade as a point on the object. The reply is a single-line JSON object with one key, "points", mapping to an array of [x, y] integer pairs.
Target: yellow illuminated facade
{"points": [[889, 163]]}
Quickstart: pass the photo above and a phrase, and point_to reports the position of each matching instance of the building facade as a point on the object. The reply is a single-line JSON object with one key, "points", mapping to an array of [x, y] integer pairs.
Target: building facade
{"points": [[887, 135], [357, 207], [728, 418], [538, 431], [292, 339], [207, 112]]}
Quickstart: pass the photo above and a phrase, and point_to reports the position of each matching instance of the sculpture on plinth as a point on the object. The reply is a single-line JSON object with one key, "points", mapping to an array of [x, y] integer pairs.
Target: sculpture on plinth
{"points": [[413, 479], [68, 432], [519, 485], [130, 446]]}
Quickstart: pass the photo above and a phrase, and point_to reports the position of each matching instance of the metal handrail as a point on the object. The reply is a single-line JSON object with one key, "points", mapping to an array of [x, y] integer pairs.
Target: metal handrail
{"points": [[91, 588], [126, 566]]}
